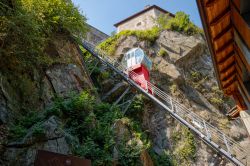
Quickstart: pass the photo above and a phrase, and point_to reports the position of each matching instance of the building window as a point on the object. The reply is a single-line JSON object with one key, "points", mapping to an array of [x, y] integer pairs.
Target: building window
{"points": [[138, 24]]}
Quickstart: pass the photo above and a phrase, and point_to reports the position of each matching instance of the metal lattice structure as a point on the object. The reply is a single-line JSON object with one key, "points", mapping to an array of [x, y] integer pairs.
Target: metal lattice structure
{"points": [[208, 133]]}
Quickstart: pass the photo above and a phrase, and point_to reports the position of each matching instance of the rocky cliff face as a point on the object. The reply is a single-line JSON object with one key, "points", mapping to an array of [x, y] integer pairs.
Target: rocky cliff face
{"points": [[182, 67], [66, 74]]}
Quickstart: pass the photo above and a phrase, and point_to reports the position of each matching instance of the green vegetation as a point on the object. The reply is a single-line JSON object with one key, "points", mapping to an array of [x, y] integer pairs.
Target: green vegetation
{"points": [[28, 27], [223, 124], [163, 159], [197, 80], [162, 21], [130, 153], [138, 104], [55, 15], [180, 23], [196, 75], [23, 123], [105, 75], [30, 24], [216, 100], [184, 145], [38, 131], [92, 66], [17, 131], [110, 45], [214, 95], [92, 123], [162, 52], [86, 55], [218, 97], [173, 88]]}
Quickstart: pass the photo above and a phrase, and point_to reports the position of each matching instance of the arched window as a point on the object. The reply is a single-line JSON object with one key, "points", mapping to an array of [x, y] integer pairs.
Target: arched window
{"points": [[132, 54]]}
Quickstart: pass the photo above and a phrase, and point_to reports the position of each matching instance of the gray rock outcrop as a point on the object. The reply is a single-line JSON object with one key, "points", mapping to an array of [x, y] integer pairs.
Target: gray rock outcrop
{"points": [[65, 75], [52, 139], [186, 72]]}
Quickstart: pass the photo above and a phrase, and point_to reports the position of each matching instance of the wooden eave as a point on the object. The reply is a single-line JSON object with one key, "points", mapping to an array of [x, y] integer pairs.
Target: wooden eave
{"points": [[221, 21], [216, 18]]}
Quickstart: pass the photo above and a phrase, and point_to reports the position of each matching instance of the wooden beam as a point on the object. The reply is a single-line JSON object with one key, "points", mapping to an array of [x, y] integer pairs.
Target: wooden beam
{"points": [[232, 64], [238, 69], [239, 63], [238, 77], [229, 90], [232, 113], [236, 3], [220, 17], [228, 76], [227, 44], [229, 83], [226, 58], [210, 3], [224, 31], [207, 31]]}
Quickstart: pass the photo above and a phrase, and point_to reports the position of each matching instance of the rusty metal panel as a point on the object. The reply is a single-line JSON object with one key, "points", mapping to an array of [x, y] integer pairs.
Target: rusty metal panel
{"points": [[46, 158]]}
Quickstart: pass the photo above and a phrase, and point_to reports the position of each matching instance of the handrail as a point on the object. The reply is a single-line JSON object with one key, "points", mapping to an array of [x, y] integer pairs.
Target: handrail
{"points": [[206, 131]]}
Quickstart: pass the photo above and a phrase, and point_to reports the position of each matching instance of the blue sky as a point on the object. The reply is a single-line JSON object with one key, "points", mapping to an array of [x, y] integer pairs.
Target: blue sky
{"points": [[103, 14]]}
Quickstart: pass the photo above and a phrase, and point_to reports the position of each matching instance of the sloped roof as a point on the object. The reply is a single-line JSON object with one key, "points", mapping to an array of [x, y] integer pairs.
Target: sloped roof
{"points": [[143, 11]]}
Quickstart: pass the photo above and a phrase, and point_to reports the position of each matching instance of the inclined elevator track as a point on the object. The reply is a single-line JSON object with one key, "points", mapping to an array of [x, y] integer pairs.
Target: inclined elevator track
{"points": [[208, 133]]}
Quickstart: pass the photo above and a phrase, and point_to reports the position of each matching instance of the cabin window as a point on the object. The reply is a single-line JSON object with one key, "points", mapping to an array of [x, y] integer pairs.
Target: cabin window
{"points": [[132, 54], [137, 56], [128, 56], [138, 24]]}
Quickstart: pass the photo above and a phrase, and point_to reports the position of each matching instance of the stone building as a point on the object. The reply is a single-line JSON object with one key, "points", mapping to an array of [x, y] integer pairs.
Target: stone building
{"points": [[95, 36], [142, 20]]}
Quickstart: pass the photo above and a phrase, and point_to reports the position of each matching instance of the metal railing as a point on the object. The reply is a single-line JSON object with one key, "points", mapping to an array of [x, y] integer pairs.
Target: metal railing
{"points": [[207, 132]]}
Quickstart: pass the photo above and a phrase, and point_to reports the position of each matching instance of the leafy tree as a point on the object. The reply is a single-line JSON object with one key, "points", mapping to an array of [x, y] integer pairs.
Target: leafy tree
{"points": [[56, 15], [162, 21], [27, 27], [181, 23]]}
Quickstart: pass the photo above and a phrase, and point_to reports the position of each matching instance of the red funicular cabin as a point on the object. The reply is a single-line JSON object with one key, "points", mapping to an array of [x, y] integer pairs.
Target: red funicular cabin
{"points": [[138, 66]]}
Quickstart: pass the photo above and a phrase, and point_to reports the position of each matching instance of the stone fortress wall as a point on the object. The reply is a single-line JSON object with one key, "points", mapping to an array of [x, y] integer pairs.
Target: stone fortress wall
{"points": [[95, 36], [144, 21]]}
